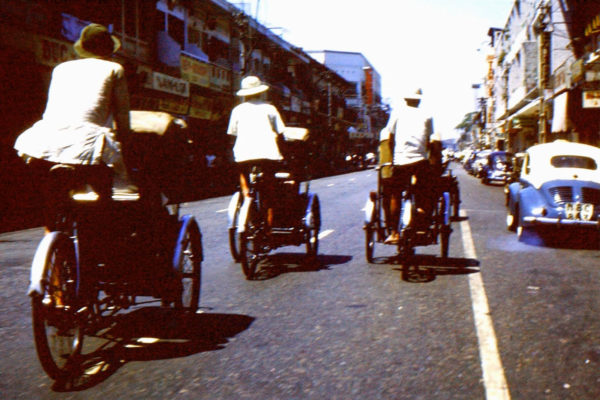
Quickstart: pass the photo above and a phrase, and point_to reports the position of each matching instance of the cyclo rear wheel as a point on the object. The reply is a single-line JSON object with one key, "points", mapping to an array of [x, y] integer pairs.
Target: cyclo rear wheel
{"points": [[234, 237], [312, 227], [57, 332], [187, 265], [250, 244]]}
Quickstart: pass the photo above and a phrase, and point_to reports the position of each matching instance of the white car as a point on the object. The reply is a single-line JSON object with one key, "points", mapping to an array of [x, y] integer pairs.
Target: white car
{"points": [[559, 185]]}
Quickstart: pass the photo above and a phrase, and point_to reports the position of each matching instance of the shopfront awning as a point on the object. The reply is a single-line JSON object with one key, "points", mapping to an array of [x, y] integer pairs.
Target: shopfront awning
{"points": [[559, 113]]}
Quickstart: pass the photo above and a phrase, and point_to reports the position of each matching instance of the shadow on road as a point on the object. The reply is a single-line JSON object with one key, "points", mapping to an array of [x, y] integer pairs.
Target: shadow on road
{"points": [[423, 268], [146, 334], [282, 263]]}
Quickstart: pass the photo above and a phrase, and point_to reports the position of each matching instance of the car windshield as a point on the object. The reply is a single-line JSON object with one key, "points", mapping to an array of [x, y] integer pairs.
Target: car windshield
{"points": [[573, 162]]}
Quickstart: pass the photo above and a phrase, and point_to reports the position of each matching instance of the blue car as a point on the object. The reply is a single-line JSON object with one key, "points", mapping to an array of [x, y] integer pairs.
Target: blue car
{"points": [[559, 186], [497, 167]]}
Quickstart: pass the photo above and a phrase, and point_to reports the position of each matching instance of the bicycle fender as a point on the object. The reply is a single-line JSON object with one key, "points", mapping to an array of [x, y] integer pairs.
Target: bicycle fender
{"points": [[231, 208], [243, 216], [308, 211], [369, 207], [186, 221], [38, 263], [446, 208]]}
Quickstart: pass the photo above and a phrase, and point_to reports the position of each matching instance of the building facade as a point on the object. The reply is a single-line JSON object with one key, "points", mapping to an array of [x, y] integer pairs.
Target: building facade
{"points": [[543, 81], [185, 57]]}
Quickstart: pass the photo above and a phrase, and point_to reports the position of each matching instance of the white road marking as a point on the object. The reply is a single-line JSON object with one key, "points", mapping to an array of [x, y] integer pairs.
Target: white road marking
{"points": [[494, 380], [222, 210], [325, 233], [331, 184]]}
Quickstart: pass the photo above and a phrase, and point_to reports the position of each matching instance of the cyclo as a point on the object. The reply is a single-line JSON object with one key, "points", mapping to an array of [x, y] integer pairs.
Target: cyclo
{"points": [[103, 252], [432, 229], [297, 214]]}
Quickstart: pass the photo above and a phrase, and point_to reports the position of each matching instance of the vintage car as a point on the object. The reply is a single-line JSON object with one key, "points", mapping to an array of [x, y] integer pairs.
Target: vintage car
{"points": [[496, 167], [559, 185]]}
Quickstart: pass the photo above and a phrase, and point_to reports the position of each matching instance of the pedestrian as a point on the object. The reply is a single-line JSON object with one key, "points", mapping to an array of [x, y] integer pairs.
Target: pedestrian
{"points": [[407, 136], [257, 128], [86, 120]]}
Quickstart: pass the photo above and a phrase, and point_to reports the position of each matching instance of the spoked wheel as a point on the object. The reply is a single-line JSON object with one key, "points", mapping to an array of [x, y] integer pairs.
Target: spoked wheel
{"points": [[369, 242], [234, 237], [313, 225], [250, 254], [56, 330], [187, 265]]}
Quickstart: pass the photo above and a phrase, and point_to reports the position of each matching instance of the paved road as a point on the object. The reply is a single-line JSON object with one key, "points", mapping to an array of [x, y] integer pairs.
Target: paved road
{"points": [[344, 328]]}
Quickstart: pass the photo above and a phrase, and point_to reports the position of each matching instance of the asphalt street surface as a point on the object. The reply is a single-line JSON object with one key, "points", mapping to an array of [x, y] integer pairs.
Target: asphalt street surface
{"points": [[498, 319]]}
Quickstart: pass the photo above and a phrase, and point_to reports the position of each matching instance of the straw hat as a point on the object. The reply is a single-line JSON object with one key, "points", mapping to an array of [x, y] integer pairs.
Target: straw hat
{"points": [[251, 85], [95, 41]]}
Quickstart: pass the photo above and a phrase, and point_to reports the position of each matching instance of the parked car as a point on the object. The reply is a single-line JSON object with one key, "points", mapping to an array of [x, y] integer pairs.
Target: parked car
{"points": [[559, 186], [515, 173], [497, 167], [479, 162]]}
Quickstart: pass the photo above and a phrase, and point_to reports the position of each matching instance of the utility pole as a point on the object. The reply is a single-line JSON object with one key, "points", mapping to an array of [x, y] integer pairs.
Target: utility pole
{"points": [[544, 73]]}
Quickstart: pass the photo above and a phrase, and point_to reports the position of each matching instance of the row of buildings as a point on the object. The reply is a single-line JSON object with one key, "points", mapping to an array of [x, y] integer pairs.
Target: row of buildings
{"points": [[187, 57], [543, 77]]}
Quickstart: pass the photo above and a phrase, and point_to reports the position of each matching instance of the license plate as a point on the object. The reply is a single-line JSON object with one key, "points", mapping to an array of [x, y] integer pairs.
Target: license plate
{"points": [[579, 211]]}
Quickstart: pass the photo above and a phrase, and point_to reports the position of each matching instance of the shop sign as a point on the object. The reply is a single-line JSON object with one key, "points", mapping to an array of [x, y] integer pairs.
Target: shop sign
{"points": [[561, 78], [200, 107], [52, 52], [173, 105], [220, 78], [591, 99], [577, 71], [593, 27], [195, 71], [170, 84], [360, 135]]}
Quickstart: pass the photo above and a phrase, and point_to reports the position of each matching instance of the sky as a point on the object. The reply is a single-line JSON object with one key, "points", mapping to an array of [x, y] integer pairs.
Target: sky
{"points": [[438, 45]]}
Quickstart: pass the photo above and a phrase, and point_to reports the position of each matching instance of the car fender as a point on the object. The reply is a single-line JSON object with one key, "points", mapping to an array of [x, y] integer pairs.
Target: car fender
{"points": [[513, 194], [529, 199]]}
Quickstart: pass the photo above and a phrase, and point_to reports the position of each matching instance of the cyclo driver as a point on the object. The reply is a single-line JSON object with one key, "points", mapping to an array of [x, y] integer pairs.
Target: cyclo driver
{"points": [[257, 127], [405, 142]]}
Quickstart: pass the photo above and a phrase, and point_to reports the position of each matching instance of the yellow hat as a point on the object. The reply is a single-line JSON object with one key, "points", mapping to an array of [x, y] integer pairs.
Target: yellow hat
{"points": [[95, 41], [251, 85]]}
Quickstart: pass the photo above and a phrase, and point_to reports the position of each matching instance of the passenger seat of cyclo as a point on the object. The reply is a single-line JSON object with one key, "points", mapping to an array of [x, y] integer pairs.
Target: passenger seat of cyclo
{"points": [[152, 151]]}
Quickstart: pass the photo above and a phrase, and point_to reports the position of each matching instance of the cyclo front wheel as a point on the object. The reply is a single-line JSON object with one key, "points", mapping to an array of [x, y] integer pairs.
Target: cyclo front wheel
{"points": [[56, 330]]}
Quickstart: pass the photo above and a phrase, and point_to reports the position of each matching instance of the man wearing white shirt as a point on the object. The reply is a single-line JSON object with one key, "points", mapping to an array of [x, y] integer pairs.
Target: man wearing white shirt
{"points": [[408, 132], [256, 126]]}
